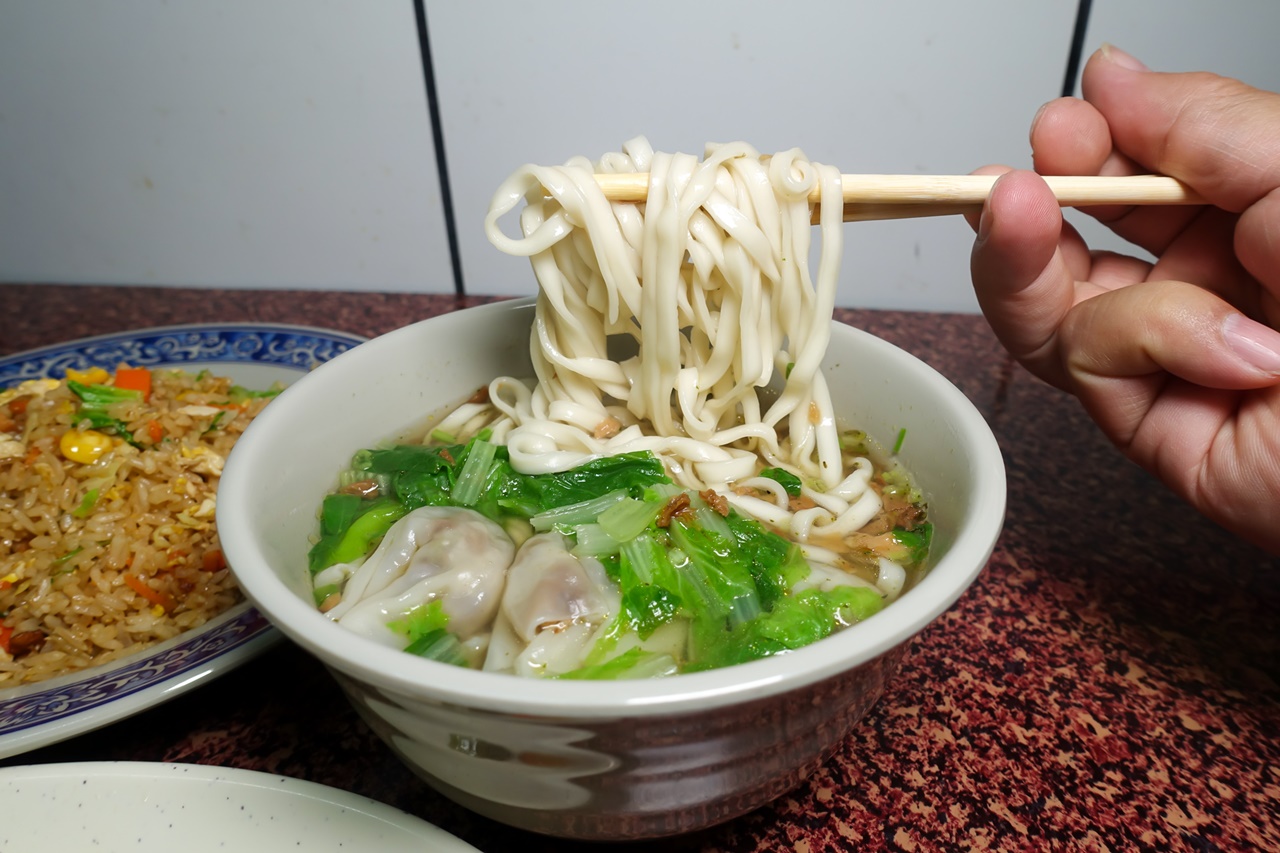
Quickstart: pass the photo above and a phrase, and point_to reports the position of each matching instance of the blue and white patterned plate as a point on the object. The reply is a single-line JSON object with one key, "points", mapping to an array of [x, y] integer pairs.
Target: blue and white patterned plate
{"points": [[253, 354]]}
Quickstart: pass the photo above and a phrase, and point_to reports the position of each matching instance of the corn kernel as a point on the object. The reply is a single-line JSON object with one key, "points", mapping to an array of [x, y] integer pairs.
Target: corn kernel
{"points": [[85, 446], [157, 610], [92, 376]]}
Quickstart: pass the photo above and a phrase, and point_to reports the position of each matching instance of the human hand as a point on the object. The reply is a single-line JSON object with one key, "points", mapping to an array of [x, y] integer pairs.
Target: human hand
{"points": [[1178, 360]]}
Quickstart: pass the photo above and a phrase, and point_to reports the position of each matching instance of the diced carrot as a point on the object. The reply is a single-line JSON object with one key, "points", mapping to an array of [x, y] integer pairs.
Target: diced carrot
{"points": [[135, 379], [18, 405], [6, 634], [213, 561], [33, 453], [156, 597], [155, 432]]}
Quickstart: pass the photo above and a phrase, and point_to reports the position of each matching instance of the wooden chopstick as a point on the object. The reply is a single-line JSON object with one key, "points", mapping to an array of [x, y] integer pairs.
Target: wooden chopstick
{"points": [[868, 197]]}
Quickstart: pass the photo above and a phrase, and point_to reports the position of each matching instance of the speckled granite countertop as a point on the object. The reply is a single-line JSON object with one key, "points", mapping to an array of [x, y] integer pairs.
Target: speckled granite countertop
{"points": [[1109, 683]]}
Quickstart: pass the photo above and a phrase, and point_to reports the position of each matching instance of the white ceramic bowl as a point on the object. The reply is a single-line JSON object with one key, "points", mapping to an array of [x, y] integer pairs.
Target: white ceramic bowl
{"points": [[596, 760]]}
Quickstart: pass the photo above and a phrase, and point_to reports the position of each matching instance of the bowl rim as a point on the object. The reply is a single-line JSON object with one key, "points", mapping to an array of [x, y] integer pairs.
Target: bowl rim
{"points": [[425, 680]]}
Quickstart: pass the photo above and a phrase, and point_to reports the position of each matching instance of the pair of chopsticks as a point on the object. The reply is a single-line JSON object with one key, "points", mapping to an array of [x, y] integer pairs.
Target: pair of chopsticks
{"points": [[870, 197]]}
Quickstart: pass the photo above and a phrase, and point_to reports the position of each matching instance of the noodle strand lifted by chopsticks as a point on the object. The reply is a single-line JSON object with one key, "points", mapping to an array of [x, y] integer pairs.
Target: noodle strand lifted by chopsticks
{"points": [[710, 279]]}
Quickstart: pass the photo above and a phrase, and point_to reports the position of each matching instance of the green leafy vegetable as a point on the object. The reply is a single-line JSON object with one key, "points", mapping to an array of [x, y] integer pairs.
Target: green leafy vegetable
{"points": [[719, 569], [96, 402], [633, 663], [240, 395], [583, 512], [785, 478], [915, 542], [628, 518], [428, 636], [439, 645], [366, 523], [416, 476], [795, 621], [421, 620], [322, 593], [473, 472], [726, 580]]}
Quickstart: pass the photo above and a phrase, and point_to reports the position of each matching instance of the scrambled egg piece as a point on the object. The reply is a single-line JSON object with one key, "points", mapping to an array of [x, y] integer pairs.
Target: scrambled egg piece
{"points": [[29, 388], [11, 448], [205, 461]]}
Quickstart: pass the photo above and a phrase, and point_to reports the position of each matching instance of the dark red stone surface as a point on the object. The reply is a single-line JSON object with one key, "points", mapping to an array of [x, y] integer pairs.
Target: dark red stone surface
{"points": [[1108, 683]]}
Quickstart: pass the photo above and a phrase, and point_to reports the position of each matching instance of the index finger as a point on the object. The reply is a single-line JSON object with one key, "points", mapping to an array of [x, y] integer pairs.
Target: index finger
{"points": [[1217, 134]]}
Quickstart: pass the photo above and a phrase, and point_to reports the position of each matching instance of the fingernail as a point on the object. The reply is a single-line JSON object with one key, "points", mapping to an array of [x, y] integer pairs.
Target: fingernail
{"points": [[1031, 135], [1124, 60], [1255, 343], [985, 222]]}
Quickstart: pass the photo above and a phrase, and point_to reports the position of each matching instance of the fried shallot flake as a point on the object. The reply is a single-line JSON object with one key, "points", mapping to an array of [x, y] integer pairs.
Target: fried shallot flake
{"points": [[716, 501], [677, 504]]}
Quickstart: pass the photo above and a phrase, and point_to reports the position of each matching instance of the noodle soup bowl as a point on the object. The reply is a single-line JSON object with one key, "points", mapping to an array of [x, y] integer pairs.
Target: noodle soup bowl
{"points": [[580, 759]]}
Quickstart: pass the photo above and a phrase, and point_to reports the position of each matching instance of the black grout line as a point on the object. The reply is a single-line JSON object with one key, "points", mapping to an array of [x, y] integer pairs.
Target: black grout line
{"points": [[1077, 48], [437, 136], [437, 132]]}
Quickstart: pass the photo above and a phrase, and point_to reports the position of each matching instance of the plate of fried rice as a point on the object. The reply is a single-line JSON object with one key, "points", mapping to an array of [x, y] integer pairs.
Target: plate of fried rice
{"points": [[114, 593]]}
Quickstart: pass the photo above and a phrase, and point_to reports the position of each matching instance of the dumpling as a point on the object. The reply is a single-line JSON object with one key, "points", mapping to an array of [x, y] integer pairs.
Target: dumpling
{"points": [[554, 606], [452, 554]]}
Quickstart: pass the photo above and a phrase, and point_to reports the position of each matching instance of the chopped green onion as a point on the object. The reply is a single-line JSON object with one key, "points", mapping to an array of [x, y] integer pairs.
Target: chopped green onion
{"points": [[897, 482], [67, 556], [897, 445], [213, 424], [86, 504], [439, 436], [854, 441]]}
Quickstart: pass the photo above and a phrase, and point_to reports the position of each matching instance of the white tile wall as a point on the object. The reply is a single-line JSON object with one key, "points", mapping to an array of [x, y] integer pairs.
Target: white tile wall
{"points": [[934, 87], [236, 143], [287, 143], [1235, 38]]}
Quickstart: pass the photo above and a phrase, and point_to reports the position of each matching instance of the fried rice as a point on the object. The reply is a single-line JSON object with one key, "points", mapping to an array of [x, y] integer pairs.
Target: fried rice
{"points": [[108, 488]]}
